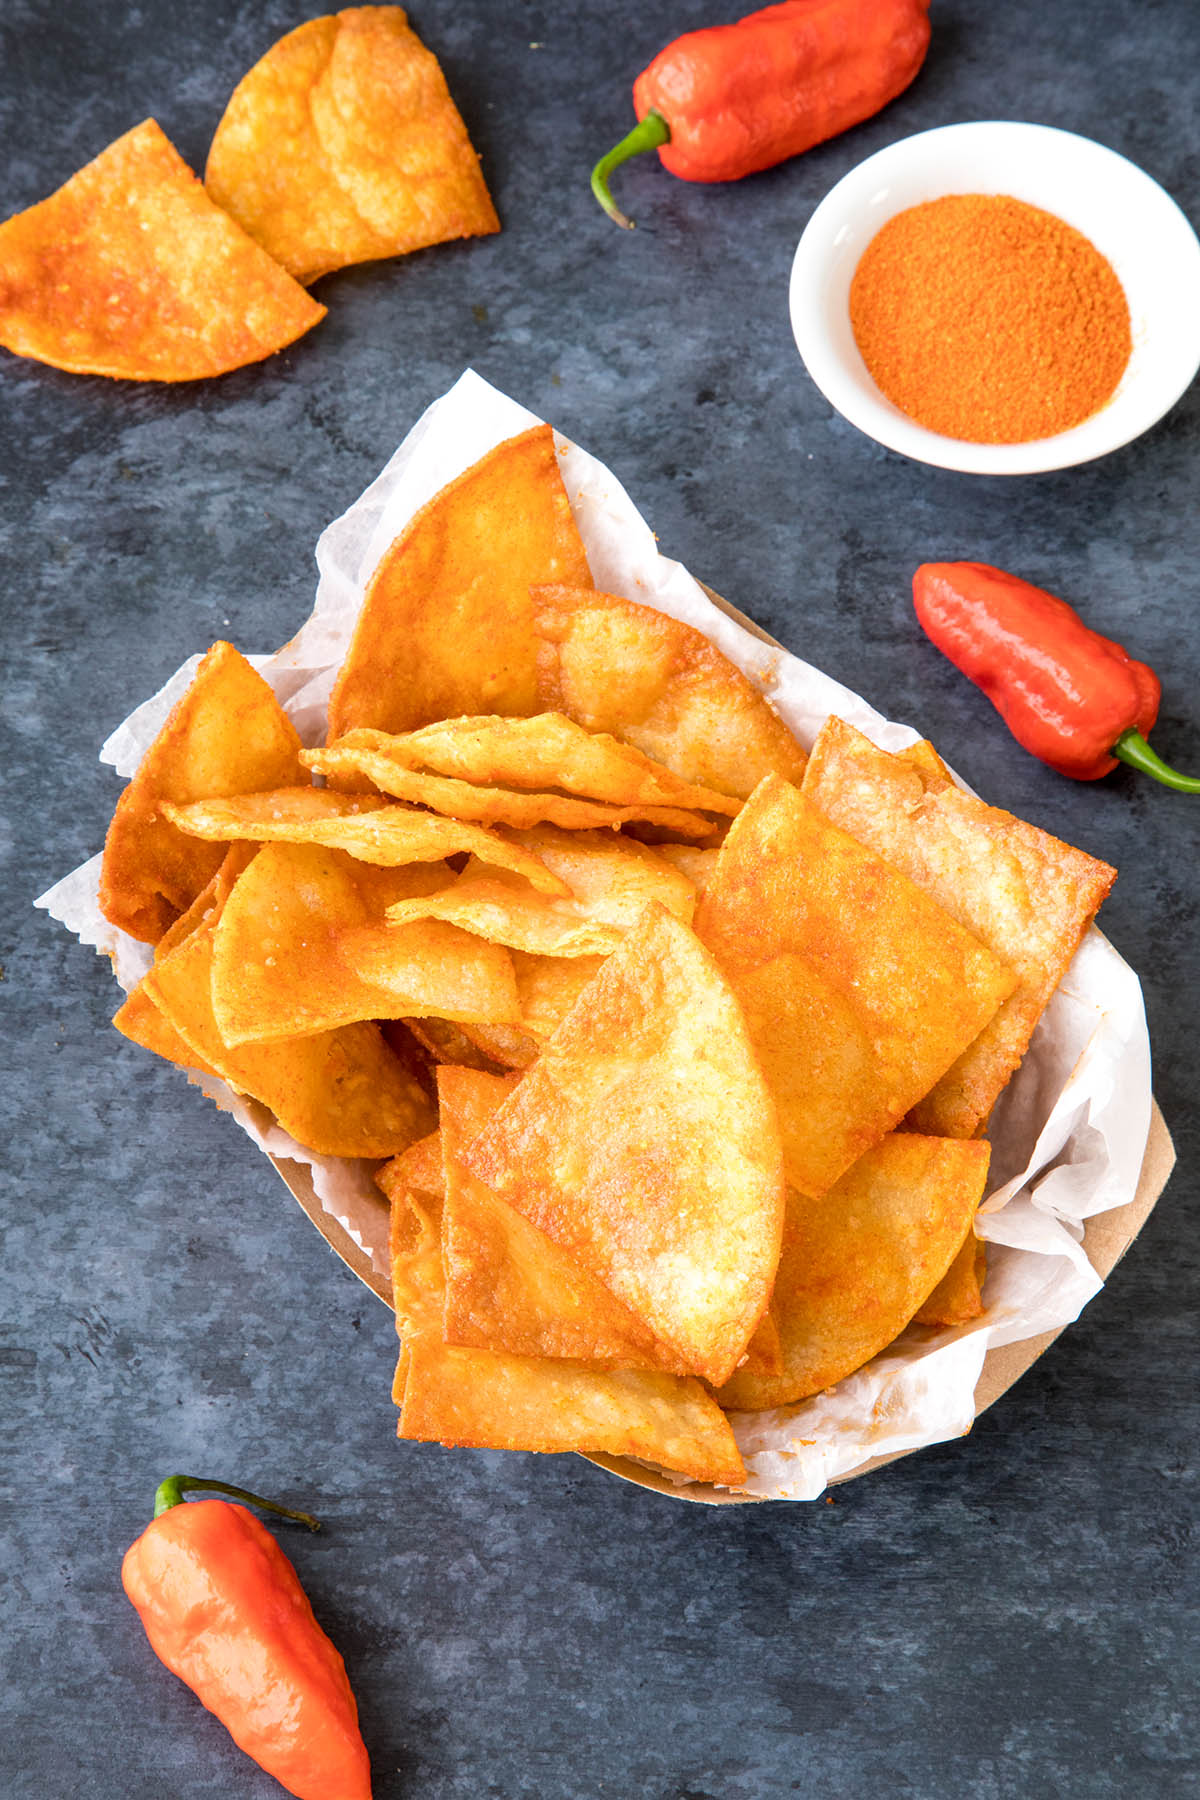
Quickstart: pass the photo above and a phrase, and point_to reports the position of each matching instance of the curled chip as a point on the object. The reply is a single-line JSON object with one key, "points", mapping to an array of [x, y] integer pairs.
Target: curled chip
{"points": [[1027, 896], [447, 624], [302, 946], [644, 1141], [342, 145], [859, 1261], [548, 752], [365, 826], [227, 735], [655, 682], [131, 270], [859, 990]]}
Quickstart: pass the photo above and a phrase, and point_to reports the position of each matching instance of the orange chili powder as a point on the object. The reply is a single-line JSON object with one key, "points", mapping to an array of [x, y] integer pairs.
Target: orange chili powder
{"points": [[987, 319]]}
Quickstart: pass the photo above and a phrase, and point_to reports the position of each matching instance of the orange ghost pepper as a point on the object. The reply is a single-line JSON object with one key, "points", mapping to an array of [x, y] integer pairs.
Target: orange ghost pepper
{"points": [[224, 1610]]}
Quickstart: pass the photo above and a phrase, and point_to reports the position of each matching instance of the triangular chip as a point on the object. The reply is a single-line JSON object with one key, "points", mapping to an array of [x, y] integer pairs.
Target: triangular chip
{"points": [[342, 145], [509, 1286], [644, 1141], [1027, 896], [653, 681], [227, 735], [413, 1184], [140, 1020], [549, 986], [859, 990], [341, 1093], [858, 1262], [504, 1045], [302, 946], [130, 270], [365, 826], [449, 1043], [958, 1296], [492, 1400], [447, 624]]}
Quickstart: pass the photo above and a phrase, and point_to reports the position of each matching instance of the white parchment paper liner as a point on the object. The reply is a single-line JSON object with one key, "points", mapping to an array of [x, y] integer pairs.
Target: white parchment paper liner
{"points": [[1069, 1133]]}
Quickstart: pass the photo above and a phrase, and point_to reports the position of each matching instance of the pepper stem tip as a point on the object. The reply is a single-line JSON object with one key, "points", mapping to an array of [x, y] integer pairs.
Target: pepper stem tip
{"points": [[173, 1491], [1132, 748], [647, 134]]}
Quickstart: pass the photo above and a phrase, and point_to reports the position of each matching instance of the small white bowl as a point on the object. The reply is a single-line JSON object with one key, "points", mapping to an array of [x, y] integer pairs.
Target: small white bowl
{"points": [[1130, 219]]}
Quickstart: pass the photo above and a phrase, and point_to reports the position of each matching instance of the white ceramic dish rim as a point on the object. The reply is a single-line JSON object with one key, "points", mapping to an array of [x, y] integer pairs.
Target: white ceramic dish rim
{"points": [[1127, 215]]}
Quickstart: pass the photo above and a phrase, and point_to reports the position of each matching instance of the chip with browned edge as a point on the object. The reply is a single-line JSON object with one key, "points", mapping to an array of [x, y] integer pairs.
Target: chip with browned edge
{"points": [[958, 1296], [130, 270], [447, 624], [227, 735], [644, 1141], [342, 145], [653, 681], [858, 1262], [509, 1286], [859, 990], [302, 946], [1025, 894]]}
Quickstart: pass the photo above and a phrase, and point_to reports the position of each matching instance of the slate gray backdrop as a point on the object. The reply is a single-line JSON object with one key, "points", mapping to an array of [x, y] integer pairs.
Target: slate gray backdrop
{"points": [[1007, 1617]]}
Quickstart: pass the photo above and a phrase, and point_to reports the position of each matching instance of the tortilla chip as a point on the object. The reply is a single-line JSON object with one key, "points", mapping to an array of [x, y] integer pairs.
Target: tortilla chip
{"points": [[859, 990], [958, 1296], [611, 879], [450, 1043], [504, 1045], [131, 271], [210, 901], [227, 735], [508, 1286], [447, 624], [692, 860], [342, 1093], [302, 946], [1024, 894], [142, 1023], [548, 987], [659, 684], [415, 1238], [365, 826], [491, 1400], [342, 145], [644, 1141], [859, 1261], [365, 753]]}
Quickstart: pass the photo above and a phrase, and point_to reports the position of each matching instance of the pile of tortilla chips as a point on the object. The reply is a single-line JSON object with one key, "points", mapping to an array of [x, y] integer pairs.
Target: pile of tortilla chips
{"points": [[675, 1047], [341, 145]]}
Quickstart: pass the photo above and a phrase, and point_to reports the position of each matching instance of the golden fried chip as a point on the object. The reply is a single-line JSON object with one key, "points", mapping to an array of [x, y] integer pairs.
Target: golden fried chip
{"points": [[130, 270], [450, 1043], [958, 1296], [210, 901], [302, 946], [692, 860], [489, 1399], [365, 826], [367, 755], [417, 1170], [502, 1045], [342, 1093], [1024, 894], [549, 986], [342, 145], [616, 666], [509, 1286], [609, 881], [447, 624], [142, 1023], [859, 990], [644, 1141], [858, 1262], [227, 735], [413, 1184], [546, 752]]}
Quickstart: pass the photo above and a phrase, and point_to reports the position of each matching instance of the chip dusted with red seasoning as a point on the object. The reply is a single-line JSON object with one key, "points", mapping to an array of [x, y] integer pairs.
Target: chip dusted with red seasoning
{"points": [[342, 145], [131, 270], [858, 989], [645, 1142], [447, 624], [227, 735]]}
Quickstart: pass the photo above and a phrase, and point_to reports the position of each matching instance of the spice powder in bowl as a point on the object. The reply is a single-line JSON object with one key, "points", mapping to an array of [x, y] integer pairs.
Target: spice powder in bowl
{"points": [[989, 320]]}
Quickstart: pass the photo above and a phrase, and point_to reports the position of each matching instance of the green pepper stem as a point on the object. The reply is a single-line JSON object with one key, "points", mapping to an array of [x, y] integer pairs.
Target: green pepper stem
{"points": [[171, 1493], [647, 134], [1133, 749]]}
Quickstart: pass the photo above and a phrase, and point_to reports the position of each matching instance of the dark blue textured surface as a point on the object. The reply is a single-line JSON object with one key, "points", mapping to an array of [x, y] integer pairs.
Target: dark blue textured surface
{"points": [[1009, 1617]]}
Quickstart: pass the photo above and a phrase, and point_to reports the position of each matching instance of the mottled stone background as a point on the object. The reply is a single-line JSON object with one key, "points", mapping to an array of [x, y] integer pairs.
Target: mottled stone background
{"points": [[1008, 1617]]}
